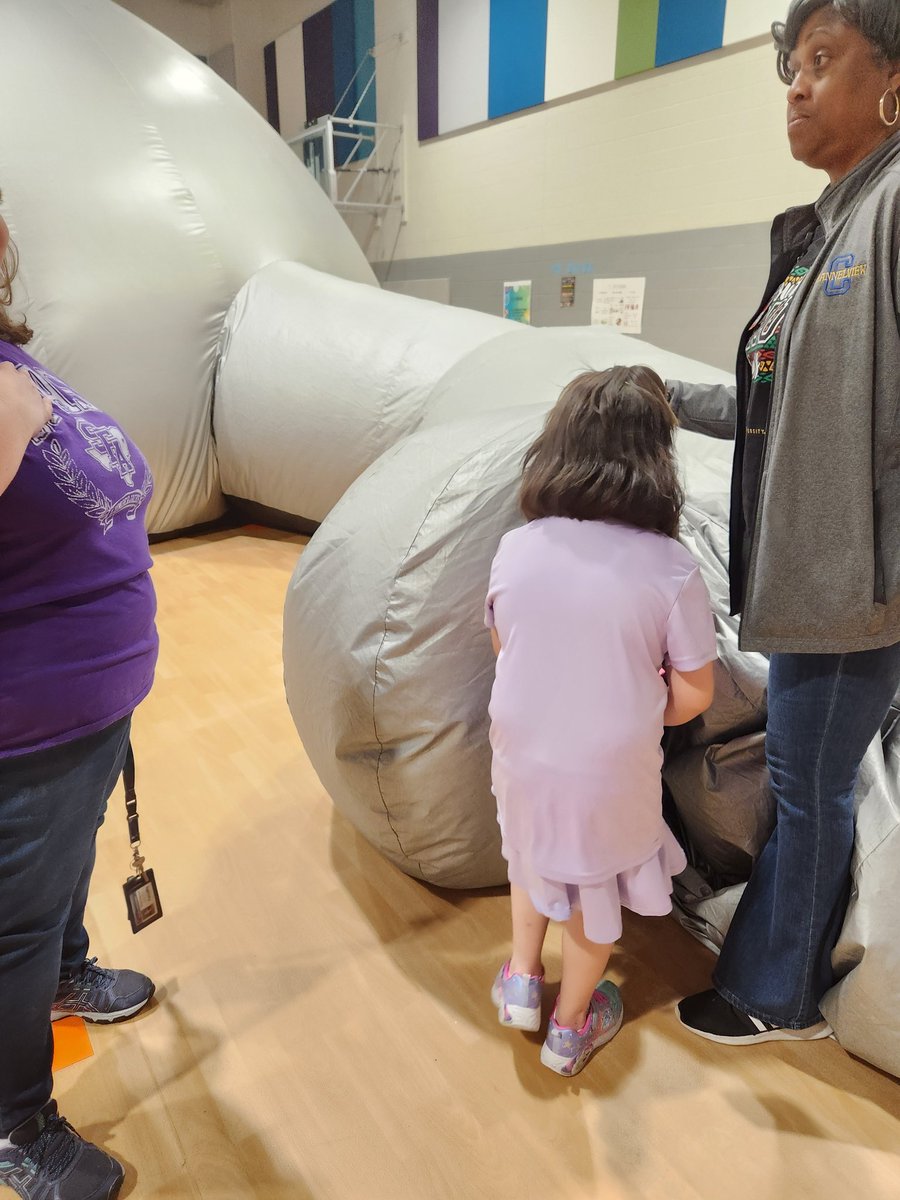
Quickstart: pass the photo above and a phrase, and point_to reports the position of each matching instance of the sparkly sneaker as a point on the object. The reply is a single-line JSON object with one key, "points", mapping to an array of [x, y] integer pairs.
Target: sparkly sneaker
{"points": [[98, 994], [49, 1161], [518, 999], [566, 1051]]}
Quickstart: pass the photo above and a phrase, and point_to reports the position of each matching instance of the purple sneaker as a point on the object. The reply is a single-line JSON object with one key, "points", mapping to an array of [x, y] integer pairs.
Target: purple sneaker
{"points": [[518, 999], [566, 1051]]}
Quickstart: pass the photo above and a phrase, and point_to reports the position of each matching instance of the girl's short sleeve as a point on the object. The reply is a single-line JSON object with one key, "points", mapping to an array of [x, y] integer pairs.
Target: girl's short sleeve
{"points": [[691, 632], [489, 601], [489, 611], [493, 586]]}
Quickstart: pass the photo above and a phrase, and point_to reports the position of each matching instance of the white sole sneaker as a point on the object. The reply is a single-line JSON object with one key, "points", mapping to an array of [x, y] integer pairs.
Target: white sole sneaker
{"points": [[512, 1016], [812, 1033], [566, 1066]]}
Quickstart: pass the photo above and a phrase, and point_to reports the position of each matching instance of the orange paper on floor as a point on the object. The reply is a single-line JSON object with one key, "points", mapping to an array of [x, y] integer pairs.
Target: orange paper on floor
{"points": [[71, 1042]]}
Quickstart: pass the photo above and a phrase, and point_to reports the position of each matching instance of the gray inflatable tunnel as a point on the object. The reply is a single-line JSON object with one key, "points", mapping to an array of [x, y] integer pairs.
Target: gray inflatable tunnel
{"points": [[407, 447]]}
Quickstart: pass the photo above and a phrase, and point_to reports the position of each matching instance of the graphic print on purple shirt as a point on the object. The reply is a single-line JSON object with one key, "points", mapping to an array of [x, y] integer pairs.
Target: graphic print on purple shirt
{"points": [[586, 611], [78, 642]]}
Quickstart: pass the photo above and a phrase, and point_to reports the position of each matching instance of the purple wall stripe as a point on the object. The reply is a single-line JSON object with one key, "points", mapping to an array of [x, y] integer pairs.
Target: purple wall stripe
{"points": [[271, 66], [428, 67], [318, 64]]}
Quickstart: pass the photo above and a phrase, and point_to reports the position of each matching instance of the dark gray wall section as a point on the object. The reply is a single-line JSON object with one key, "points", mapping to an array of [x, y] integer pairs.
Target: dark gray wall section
{"points": [[702, 284]]}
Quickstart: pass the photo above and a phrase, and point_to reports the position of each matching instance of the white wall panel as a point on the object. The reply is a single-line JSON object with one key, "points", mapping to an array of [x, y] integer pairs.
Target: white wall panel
{"points": [[463, 45], [581, 45], [750, 18], [291, 82]]}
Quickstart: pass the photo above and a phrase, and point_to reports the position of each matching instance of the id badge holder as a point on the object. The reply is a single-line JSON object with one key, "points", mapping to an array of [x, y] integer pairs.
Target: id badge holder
{"points": [[141, 893]]}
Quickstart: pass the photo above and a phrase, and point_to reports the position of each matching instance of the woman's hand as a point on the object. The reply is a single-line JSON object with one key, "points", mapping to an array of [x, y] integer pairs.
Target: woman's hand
{"points": [[23, 413]]}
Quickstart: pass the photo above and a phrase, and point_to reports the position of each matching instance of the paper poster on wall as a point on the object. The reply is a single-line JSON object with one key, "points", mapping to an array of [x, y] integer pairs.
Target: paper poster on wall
{"points": [[567, 291], [619, 303], [517, 301]]}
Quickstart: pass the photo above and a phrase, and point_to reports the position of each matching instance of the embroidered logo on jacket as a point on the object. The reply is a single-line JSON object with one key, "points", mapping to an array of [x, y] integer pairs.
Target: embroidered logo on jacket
{"points": [[840, 276]]}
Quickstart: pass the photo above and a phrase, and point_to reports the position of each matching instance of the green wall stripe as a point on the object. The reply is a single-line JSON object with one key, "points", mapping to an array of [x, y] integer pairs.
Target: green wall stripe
{"points": [[636, 44]]}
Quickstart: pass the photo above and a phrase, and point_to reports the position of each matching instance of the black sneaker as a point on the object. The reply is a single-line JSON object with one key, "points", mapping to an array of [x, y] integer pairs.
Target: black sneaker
{"points": [[49, 1161], [99, 994], [710, 1016]]}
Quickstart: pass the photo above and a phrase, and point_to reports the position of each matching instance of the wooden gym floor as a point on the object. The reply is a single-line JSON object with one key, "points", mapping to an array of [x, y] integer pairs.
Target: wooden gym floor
{"points": [[323, 1028]]}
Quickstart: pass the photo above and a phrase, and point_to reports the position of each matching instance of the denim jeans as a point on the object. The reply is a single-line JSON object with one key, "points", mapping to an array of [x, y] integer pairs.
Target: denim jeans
{"points": [[51, 805], [824, 711]]}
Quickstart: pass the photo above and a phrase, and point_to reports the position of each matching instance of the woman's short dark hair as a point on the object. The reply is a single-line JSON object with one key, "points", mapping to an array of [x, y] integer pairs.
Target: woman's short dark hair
{"points": [[877, 20], [13, 331], [606, 453]]}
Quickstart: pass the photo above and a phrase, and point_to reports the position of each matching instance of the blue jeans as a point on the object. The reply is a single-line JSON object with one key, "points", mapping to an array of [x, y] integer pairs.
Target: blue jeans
{"points": [[51, 805], [824, 711]]}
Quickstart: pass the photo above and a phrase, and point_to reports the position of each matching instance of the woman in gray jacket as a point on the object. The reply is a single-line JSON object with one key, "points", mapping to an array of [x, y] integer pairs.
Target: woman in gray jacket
{"points": [[815, 509]]}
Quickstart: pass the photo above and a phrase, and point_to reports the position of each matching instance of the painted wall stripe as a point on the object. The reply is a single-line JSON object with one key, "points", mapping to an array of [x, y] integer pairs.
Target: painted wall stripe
{"points": [[518, 51], [319, 60], [364, 40], [464, 28], [688, 27], [750, 18], [271, 67], [636, 45], [343, 53], [581, 45], [291, 82], [427, 61]]}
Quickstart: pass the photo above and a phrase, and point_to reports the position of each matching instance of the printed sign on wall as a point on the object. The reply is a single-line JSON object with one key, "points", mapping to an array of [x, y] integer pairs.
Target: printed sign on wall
{"points": [[619, 304], [517, 301]]}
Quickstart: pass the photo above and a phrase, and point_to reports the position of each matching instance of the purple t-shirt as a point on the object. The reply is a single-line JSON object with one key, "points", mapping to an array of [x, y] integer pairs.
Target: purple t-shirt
{"points": [[586, 612], [78, 642]]}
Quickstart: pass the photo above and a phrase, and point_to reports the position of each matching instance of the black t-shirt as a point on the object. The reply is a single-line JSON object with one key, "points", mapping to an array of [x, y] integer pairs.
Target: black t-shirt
{"points": [[761, 351]]}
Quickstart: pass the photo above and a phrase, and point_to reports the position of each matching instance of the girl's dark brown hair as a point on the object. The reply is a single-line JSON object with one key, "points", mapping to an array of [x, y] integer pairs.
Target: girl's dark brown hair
{"points": [[606, 454], [16, 332]]}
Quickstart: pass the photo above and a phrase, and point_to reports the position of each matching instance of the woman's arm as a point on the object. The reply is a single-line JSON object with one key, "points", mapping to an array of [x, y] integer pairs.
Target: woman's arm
{"points": [[690, 694], [709, 408], [23, 412]]}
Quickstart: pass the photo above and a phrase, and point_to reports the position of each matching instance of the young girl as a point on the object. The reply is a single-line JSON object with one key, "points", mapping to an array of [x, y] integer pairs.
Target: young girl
{"points": [[586, 602]]}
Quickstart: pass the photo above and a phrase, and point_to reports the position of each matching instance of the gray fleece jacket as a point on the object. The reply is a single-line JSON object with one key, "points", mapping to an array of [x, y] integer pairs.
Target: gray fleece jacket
{"points": [[824, 562]]}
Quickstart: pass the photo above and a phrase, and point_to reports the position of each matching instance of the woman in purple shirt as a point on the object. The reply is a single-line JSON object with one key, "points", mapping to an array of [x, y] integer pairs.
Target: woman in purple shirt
{"points": [[78, 649], [586, 601]]}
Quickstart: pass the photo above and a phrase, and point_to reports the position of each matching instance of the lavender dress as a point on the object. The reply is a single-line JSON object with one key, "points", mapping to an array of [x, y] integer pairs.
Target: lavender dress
{"points": [[586, 612]]}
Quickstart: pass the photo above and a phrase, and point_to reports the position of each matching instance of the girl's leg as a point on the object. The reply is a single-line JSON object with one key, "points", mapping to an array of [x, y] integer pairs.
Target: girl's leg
{"points": [[529, 928], [583, 964]]}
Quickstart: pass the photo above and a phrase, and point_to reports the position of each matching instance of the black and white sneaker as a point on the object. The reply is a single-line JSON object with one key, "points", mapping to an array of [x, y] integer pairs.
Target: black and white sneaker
{"points": [[48, 1160], [101, 994], [710, 1016]]}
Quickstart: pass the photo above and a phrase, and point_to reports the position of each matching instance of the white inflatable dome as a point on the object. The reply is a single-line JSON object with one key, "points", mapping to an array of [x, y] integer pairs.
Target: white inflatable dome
{"points": [[142, 192]]}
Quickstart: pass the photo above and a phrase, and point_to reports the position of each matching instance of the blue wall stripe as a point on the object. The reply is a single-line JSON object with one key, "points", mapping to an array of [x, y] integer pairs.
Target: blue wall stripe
{"points": [[688, 27], [343, 52], [518, 52], [364, 40]]}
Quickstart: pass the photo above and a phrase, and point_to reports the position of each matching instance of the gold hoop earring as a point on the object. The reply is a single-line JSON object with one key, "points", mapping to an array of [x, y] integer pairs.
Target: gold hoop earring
{"points": [[884, 120]]}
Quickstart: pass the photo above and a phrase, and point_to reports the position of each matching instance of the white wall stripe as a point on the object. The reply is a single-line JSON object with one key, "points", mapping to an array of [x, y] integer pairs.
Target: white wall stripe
{"points": [[581, 45], [750, 18], [291, 82], [463, 44]]}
